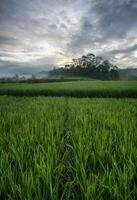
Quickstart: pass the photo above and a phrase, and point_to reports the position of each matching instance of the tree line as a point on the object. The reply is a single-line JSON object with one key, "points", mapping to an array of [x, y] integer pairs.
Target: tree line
{"points": [[89, 66]]}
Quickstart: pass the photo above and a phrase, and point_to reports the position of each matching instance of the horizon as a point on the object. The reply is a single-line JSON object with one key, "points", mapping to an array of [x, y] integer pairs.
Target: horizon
{"points": [[36, 35]]}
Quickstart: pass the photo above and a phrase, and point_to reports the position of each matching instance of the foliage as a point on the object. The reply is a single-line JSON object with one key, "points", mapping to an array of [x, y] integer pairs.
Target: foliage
{"points": [[89, 66], [65, 148], [73, 89], [41, 80]]}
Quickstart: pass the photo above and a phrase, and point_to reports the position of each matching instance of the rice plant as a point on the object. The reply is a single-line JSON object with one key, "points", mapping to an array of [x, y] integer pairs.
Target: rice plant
{"points": [[66, 148], [118, 89]]}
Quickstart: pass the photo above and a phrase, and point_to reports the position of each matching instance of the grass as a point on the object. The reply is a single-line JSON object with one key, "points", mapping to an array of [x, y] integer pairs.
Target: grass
{"points": [[66, 148], [117, 89]]}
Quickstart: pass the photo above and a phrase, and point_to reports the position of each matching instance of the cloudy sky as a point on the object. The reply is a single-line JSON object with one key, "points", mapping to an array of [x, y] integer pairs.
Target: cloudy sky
{"points": [[35, 34]]}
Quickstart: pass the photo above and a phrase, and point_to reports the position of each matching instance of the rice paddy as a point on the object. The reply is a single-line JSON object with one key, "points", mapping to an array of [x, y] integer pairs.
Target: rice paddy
{"points": [[118, 89], [68, 148]]}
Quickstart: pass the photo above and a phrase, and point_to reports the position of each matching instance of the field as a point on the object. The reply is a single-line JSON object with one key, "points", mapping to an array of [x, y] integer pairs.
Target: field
{"points": [[68, 148], [74, 89]]}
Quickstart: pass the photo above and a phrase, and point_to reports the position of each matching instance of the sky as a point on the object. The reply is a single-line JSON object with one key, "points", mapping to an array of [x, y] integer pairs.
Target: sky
{"points": [[39, 34]]}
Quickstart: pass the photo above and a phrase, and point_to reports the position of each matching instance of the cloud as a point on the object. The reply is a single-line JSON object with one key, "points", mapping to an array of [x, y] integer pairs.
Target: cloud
{"points": [[116, 17], [125, 50], [45, 31], [8, 40]]}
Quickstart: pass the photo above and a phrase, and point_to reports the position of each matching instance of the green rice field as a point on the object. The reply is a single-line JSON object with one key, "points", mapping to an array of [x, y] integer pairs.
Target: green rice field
{"points": [[117, 89], [68, 148]]}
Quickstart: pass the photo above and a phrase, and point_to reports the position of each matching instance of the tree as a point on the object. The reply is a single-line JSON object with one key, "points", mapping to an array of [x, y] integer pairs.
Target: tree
{"points": [[89, 66]]}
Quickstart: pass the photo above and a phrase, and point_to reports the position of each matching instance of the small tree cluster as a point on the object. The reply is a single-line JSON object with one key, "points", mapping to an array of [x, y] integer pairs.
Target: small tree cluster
{"points": [[89, 66]]}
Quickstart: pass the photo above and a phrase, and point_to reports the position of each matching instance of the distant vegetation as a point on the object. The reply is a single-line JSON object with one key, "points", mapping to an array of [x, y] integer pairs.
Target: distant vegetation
{"points": [[89, 66], [128, 74], [40, 80]]}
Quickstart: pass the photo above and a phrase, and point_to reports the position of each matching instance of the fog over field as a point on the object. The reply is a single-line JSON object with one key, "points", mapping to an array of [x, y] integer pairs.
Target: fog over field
{"points": [[43, 33]]}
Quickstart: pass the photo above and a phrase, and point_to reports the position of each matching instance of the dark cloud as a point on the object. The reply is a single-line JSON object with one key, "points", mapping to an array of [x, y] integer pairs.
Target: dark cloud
{"points": [[8, 40], [116, 17], [125, 50]]}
